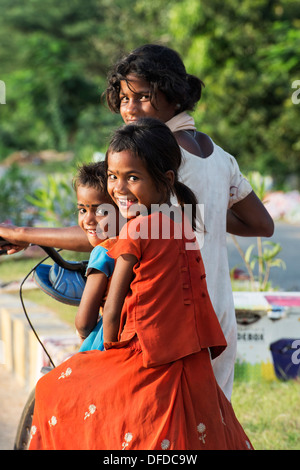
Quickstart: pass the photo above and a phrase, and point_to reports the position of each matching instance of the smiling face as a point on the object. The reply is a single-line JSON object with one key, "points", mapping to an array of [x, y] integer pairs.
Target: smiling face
{"points": [[130, 185], [135, 101], [97, 215]]}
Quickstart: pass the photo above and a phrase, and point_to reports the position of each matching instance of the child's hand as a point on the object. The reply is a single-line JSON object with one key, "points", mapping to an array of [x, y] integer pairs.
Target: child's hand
{"points": [[8, 244], [12, 249]]}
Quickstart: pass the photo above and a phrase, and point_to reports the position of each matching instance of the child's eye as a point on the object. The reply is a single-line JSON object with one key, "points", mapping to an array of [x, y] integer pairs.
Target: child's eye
{"points": [[133, 178], [81, 210], [145, 97], [100, 212], [111, 177]]}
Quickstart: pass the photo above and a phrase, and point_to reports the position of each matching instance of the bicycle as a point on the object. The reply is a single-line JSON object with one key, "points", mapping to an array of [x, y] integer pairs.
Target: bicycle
{"points": [[75, 270]]}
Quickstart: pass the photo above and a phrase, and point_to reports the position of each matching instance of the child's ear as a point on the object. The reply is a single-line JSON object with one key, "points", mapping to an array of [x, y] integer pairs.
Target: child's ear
{"points": [[170, 176]]}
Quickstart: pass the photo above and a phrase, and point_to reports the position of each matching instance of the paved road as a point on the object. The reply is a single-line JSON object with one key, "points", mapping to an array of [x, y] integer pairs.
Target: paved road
{"points": [[289, 238], [12, 400]]}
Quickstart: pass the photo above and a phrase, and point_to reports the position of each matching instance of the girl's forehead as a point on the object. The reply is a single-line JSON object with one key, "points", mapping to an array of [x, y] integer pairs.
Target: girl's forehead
{"points": [[91, 194], [134, 84], [123, 158]]}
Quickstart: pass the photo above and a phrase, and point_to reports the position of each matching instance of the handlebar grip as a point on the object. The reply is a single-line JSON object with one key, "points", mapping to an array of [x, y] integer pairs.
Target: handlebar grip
{"points": [[3, 242], [79, 266]]}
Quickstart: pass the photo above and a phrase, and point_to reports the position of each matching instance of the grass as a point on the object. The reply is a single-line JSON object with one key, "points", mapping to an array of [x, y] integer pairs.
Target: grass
{"points": [[13, 268], [269, 411]]}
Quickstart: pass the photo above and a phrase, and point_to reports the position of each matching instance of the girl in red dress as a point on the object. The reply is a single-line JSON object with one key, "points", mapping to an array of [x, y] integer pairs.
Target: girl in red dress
{"points": [[153, 388]]}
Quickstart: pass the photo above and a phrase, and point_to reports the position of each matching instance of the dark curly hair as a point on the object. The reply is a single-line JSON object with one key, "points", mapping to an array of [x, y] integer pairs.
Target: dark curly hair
{"points": [[153, 142], [92, 175], [163, 68]]}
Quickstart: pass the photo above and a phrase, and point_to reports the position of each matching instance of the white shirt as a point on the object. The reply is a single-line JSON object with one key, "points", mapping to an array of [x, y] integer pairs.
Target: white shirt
{"points": [[218, 184]]}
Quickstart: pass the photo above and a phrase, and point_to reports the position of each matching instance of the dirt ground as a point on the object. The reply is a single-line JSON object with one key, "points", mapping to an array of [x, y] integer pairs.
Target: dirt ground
{"points": [[12, 400]]}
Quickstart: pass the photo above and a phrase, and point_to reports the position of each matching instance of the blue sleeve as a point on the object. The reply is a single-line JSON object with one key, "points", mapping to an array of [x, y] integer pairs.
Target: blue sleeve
{"points": [[94, 339], [100, 260]]}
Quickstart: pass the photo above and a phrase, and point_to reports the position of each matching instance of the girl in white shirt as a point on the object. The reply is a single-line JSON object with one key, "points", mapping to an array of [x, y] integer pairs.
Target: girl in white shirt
{"points": [[152, 81]]}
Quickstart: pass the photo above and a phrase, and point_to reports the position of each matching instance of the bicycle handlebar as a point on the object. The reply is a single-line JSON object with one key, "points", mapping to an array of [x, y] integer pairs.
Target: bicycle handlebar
{"points": [[2, 243], [79, 266], [70, 265]]}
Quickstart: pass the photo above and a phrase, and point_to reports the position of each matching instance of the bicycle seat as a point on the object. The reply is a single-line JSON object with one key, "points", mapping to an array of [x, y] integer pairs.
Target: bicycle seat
{"points": [[61, 284]]}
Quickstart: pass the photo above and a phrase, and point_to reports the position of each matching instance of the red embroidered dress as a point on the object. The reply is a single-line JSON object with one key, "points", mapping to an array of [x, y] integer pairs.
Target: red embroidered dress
{"points": [[154, 389]]}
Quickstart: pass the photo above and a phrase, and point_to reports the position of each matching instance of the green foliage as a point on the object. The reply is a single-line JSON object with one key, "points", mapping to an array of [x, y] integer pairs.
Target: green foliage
{"points": [[55, 56], [14, 184], [246, 53], [267, 251], [61, 54], [55, 201], [266, 259]]}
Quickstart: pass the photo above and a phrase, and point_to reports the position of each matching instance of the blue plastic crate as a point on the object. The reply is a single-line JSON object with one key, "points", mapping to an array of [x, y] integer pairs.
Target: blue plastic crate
{"points": [[286, 357]]}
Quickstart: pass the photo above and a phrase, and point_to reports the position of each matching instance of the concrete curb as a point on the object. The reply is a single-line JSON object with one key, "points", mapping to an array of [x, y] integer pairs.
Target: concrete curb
{"points": [[21, 354]]}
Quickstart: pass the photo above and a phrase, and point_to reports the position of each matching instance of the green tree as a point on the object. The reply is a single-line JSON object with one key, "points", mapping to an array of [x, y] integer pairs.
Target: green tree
{"points": [[55, 55], [246, 53], [54, 58]]}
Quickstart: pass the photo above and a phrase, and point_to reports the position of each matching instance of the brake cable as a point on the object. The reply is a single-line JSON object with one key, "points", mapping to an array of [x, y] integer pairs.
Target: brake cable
{"points": [[26, 314]]}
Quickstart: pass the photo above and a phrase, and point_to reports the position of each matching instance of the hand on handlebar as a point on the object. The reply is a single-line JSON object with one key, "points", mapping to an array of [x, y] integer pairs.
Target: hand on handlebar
{"points": [[8, 244], [10, 249]]}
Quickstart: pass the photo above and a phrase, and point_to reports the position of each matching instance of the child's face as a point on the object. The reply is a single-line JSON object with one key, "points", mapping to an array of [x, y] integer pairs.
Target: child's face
{"points": [[130, 185], [98, 223], [135, 101]]}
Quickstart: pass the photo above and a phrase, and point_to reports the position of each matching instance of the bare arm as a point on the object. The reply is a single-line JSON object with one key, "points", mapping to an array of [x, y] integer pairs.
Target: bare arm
{"points": [[67, 238], [245, 218], [118, 290], [91, 300], [249, 218]]}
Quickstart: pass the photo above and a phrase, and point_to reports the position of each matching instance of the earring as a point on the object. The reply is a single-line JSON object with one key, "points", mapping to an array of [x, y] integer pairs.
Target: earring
{"points": [[178, 106]]}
